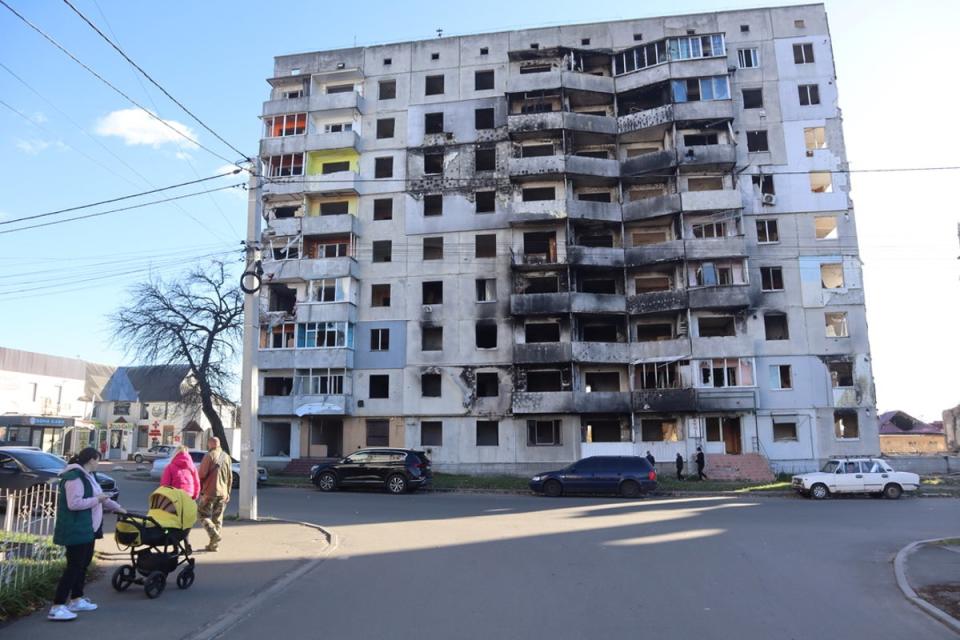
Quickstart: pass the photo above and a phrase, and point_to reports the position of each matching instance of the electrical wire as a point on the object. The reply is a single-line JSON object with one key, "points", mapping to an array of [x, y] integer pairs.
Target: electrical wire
{"points": [[136, 206], [99, 77]]}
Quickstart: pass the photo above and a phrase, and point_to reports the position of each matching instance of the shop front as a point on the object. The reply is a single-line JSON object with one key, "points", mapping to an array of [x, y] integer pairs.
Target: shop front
{"points": [[45, 432]]}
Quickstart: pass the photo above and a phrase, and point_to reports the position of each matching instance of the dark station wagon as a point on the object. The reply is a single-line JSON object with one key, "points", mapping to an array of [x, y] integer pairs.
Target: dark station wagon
{"points": [[630, 476]]}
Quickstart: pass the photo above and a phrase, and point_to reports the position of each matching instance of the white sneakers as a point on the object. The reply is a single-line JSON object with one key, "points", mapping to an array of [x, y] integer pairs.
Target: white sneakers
{"points": [[62, 613]]}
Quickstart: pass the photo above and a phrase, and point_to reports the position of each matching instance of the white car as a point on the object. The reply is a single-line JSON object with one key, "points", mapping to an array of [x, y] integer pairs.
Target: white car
{"points": [[856, 475], [156, 471]]}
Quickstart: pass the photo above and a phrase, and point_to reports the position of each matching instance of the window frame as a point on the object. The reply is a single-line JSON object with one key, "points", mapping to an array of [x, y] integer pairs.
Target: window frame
{"points": [[768, 225], [379, 339]]}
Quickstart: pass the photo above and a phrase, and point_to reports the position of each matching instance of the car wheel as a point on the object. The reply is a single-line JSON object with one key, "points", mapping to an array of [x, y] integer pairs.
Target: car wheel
{"points": [[892, 491], [327, 481], [819, 491], [138, 459], [553, 488], [396, 484], [629, 489], [236, 479]]}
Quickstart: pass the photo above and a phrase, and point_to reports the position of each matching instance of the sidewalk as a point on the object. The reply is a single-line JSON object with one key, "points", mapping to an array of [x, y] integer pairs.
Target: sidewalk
{"points": [[928, 573], [255, 557]]}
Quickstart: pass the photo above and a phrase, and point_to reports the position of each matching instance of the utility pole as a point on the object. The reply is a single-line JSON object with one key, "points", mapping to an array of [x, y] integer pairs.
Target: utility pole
{"points": [[249, 395]]}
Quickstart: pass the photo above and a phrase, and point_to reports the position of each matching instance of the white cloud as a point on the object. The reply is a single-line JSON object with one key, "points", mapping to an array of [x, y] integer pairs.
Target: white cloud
{"points": [[32, 147], [39, 118], [183, 155], [135, 126]]}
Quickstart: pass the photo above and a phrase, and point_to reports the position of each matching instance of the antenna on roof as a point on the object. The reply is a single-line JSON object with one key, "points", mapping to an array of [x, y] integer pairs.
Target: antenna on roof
{"points": [[440, 33]]}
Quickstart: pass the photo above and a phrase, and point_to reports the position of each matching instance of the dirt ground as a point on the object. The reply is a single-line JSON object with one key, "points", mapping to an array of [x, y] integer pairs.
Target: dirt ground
{"points": [[943, 596]]}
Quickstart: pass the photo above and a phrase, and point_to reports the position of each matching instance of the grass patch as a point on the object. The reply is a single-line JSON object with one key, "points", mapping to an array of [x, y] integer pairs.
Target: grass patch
{"points": [[287, 481], [480, 483], [666, 483], [33, 592]]}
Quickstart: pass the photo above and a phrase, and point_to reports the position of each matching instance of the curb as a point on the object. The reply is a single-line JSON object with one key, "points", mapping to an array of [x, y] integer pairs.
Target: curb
{"points": [[899, 570], [247, 607]]}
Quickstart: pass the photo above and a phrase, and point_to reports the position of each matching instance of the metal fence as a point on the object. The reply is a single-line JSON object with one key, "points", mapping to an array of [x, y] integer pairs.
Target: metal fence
{"points": [[26, 540]]}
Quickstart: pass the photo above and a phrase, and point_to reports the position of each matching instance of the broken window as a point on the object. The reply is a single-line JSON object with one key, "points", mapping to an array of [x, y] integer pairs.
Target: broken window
{"points": [[433, 248], [639, 57], [701, 89], [289, 211], [711, 274], [544, 381], [274, 386], [537, 194], [484, 51], [780, 377], [286, 248], [380, 295], [431, 433], [383, 167], [771, 278], [387, 62], [803, 53], [543, 433], [282, 298], [482, 80], [486, 290], [288, 164], [433, 85], [757, 141], [540, 244], [280, 336], [542, 284], [485, 245], [488, 384], [431, 338], [654, 331], [486, 201], [486, 335], [535, 332], [598, 239], [831, 275], [433, 162], [841, 373], [337, 127], [599, 285], [334, 167], [324, 335], [663, 375], [599, 332], [697, 140], [488, 433], [716, 326], [646, 284], [385, 128], [767, 232], [388, 89], [763, 183], [595, 196], [483, 118], [379, 339], [319, 382], [430, 385], [809, 94], [821, 182], [330, 290], [536, 150], [815, 138], [784, 431], [378, 433], [287, 125], [846, 425], [604, 430], [725, 372], [432, 292], [825, 227], [339, 88], [706, 230], [383, 209], [748, 58], [836, 324], [486, 159], [705, 184], [334, 208], [433, 122], [320, 247], [601, 381], [775, 326], [658, 430], [752, 98], [382, 251], [433, 204], [380, 386]]}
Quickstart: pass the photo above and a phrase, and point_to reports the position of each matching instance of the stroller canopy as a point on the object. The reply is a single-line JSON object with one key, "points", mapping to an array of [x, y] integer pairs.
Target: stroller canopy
{"points": [[172, 508]]}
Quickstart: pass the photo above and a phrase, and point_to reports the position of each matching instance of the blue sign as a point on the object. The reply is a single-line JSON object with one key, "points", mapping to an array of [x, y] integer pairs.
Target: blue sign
{"points": [[48, 422]]}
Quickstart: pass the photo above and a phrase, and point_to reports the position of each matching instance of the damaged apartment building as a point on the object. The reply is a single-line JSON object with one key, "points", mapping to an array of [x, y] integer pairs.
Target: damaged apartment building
{"points": [[517, 249]]}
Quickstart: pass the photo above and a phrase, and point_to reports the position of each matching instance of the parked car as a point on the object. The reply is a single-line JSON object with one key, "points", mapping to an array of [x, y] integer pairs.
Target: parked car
{"points": [[156, 471], [630, 476], [396, 470], [856, 475], [157, 451], [24, 467]]}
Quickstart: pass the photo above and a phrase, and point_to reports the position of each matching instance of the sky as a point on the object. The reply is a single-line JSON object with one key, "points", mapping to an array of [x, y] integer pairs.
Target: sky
{"points": [[67, 139]]}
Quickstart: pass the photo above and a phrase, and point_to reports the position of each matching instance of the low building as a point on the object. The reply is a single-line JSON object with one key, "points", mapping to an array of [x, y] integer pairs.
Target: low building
{"points": [[951, 427], [902, 434]]}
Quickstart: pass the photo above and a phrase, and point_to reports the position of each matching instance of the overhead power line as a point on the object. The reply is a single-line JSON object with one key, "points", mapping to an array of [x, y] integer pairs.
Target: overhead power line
{"points": [[154, 82], [135, 206], [114, 87]]}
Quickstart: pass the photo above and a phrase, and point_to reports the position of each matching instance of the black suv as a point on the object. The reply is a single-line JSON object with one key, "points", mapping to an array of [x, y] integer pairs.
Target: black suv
{"points": [[397, 470], [24, 467]]}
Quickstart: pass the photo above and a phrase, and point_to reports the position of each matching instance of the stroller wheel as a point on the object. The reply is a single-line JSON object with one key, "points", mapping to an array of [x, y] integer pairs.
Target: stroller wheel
{"points": [[155, 583], [185, 578], [123, 577]]}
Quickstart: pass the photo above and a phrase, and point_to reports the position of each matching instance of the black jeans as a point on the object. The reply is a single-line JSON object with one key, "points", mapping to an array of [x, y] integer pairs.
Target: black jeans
{"points": [[71, 582]]}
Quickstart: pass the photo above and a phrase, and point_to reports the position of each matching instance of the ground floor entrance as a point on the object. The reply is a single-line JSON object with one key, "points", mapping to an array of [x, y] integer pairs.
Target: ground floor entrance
{"points": [[724, 434], [325, 438]]}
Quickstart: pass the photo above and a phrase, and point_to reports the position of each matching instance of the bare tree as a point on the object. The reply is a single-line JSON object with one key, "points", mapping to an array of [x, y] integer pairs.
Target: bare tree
{"points": [[197, 320]]}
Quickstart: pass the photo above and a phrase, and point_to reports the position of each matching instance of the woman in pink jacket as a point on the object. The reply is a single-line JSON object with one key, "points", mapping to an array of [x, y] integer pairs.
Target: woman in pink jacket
{"points": [[182, 474]]}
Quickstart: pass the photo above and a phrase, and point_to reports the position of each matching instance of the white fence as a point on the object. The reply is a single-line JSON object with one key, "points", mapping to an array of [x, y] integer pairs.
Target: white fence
{"points": [[26, 540]]}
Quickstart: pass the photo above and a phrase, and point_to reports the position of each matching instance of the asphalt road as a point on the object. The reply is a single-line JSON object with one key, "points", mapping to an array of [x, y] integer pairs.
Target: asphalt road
{"points": [[492, 566]]}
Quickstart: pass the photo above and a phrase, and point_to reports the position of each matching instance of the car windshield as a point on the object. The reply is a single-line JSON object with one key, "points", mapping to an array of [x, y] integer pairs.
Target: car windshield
{"points": [[830, 467], [39, 460]]}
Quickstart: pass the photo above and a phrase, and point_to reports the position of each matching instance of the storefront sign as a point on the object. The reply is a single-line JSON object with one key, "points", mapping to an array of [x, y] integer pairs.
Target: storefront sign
{"points": [[48, 422]]}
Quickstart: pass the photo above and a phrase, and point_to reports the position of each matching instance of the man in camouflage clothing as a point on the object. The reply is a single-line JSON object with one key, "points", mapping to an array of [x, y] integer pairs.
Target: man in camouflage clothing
{"points": [[216, 481]]}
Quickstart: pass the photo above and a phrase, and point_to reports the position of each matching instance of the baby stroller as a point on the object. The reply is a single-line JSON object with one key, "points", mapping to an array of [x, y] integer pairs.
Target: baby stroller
{"points": [[157, 542]]}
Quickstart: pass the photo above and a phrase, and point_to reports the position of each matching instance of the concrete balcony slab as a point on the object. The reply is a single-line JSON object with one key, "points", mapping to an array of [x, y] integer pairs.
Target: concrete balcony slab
{"points": [[597, 303], [336, 224], [531, 304], [706, 248], [305, 358], [651, 207], [286, 105], [719, 200], [660, 350], [721, 157], [541, 352], [726, 399], [671, 251], [665, 400], [599, 211], [595, 256], [330, 101], [657, 302], [728, 297], [604, 352], [326, 312], [654, 162]]}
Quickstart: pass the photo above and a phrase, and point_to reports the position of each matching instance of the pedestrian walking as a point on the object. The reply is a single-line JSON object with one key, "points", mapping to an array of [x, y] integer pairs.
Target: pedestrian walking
{"points": [[651, 460], [216, 481], [701, 461], [181, 473], [79, 524], [679, 462]]}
